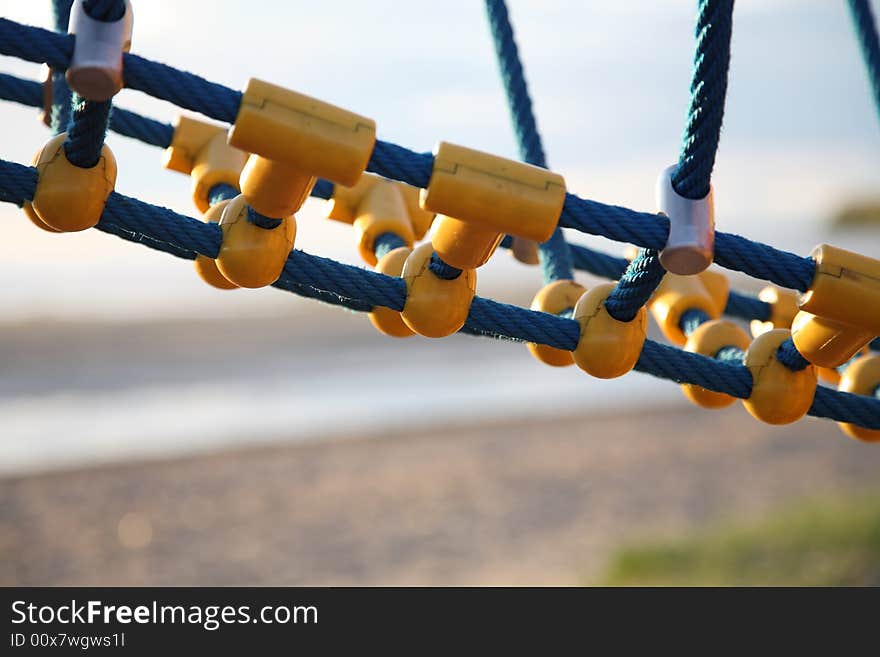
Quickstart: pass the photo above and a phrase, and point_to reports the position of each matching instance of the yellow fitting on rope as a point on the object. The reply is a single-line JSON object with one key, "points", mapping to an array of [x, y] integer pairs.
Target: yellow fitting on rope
{"points": [[779, 395], [526, 251], [381, 210], [846, 288], [861, 378], [251, 256], [708, 339], [386, 320], [493, 192], [464, 245], [674, 297], [718, 287], [783, 308], [345, 203], [206, 268], [308, 134], [69, 198], [826, 342], [435, 307], [199, 149], [607, 348], [554, 298], [274, 189]]}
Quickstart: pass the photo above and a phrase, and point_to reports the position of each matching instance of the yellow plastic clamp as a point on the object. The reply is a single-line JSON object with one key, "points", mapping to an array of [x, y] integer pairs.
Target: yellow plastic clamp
{"points": [[343, 205], [382, 210], [554, 298], [607, 348], [435, 307], [861, 378], [251, 256], [717, 285], [206, 268], [308, 134], [386, 320], [846, 288], [464, 245], [675, 296], [69, 198], [273, 188], [35, 220], [708, 339], [783, 308], [199, 149], [507, 196], [779, 395], [826, 342]]}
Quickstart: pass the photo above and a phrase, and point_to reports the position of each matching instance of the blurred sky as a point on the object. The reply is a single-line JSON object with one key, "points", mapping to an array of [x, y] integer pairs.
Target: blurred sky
{"points": [[610, 83]]}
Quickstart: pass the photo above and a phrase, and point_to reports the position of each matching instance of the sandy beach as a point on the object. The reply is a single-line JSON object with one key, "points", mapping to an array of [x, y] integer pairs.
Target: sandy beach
{"points": [[502, 503]]}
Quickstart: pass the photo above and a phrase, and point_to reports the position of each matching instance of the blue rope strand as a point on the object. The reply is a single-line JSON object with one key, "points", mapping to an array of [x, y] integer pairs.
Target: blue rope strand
{"points": [[221, 192], [635, 287], [183, 236], [398, 163], [105, 11], [866, 32], [708, 91], [553, 254], [387, 242], [691, 320], [86, 131], [443, 270], [788, 355], [59, 116]]}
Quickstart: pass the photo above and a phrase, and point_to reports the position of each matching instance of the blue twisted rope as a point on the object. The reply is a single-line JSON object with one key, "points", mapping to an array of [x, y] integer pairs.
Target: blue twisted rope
{"points": [[221, 192], [90, 119], [86, 131], [131, 124], [105, 11], [866, 31], [708, 91], [398, 163], [788, 355], [691, 320], [635, 287], [357, 288], [554, 255], [59, 116], [387, 242]]}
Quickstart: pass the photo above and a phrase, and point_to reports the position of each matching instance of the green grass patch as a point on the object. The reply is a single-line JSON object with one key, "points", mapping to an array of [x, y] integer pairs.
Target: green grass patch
{"points": [[824, 543]]}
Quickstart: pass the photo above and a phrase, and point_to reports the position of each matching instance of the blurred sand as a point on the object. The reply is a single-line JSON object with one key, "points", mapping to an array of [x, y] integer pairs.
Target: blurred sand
{"points": [[523, 503]]}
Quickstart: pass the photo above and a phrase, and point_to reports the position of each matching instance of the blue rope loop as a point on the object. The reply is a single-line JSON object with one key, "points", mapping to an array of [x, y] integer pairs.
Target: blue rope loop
{"points": [[261, 220], [443, 270], [788, 355], [635, 287], [866, 31], [86, 131], [105, 11], [708, 91], [387, 242], [221, 192], [553, 255]]}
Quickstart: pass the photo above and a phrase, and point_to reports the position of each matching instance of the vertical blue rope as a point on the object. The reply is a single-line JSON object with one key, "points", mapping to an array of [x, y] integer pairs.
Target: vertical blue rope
{"points": [[866, 31], [90, 119], [61, 97], [553, 254], [636, 286], [708, 91]]}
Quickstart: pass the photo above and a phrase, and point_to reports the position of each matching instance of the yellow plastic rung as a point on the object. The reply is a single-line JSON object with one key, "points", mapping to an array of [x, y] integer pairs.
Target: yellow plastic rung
{"points": [[310, 135], [199, 149], [507, 196]]}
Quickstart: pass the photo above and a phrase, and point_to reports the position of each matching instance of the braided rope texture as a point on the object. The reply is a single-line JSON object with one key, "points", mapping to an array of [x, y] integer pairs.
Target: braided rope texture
{"points": [[398, 163], [359, 289], [635, 287], [554, 254], [708, 91], [866, 31]]}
